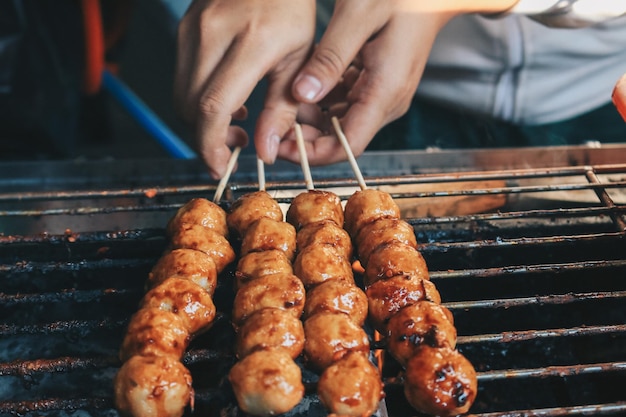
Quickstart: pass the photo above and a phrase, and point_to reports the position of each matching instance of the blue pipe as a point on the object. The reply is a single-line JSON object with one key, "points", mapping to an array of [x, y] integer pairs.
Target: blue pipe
{"points": [[146, 117]]}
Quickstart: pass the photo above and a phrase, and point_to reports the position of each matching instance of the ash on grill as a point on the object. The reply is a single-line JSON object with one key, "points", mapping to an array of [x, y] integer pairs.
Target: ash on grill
{"points": [[530, 261]]}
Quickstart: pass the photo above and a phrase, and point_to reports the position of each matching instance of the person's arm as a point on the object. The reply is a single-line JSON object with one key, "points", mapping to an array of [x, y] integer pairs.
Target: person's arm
{"points": [[570, 13]]}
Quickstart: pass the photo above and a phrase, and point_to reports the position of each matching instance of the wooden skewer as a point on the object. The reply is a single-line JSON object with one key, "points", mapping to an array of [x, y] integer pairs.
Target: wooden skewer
{"points": [[229, 169], [346, 147], [260, 167], [304, 162]]}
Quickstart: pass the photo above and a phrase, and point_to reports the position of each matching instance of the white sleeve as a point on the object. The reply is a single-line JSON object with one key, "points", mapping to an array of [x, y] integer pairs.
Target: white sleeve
{"points": [[570, 13]]}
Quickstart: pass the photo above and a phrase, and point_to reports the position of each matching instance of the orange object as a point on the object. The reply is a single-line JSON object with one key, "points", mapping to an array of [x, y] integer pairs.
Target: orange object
{"points": [[94, 46], [619, 96]]}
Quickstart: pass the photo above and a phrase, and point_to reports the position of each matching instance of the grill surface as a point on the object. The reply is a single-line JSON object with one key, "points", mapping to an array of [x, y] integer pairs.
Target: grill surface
{"points": [[530, 258]]}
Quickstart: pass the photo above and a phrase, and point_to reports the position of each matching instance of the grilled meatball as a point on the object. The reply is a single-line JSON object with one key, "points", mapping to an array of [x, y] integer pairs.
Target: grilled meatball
{"points": [[440, 381], [394, 258], [386, 297], [267, 234], [325, 232], [202, 212], [318, 263], [152, 386], [367, 205], [337, 296], [193, 236], [190, 264], [382, 231], [185, 299], [267, 382], [155, 332], [330, 336], [270, 328], [249, 208], [283, 291], [258, 264], [422, 323], [351, 386], [314, 206]]}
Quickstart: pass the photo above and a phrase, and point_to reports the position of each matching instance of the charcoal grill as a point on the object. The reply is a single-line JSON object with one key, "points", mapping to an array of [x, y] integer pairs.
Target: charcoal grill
{"points": [[526, 246]]}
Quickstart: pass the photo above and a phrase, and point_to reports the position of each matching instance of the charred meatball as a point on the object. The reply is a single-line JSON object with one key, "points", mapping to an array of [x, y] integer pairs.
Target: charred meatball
{"points": [[190, 264], [314, 206], [270, 328], [268, 234], [395, 258], [202, 212], [318, 263], [258, 264], [380, 232], [200, 238], [251, 207], [325, 232], [337, 296], [367, 205]]}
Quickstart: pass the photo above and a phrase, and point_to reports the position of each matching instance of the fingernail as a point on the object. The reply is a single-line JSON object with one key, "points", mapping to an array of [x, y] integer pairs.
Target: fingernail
{"points": [[272, 148], [308, 87]]}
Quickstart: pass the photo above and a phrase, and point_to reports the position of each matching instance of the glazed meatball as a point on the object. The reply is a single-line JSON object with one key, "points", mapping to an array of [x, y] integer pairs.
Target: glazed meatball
{"points": [[314, 206], [351, 386], [422, 323], [394, 258], [270, 328], [283, 291], [190, 264], [155, 332], [267, 234], [152, 386], [318, 263], [184, 298], [267, 382], [337, 296], [382, 231], [330, 336], [200, 238], [367, 205], [251, 207], [386, 297], [440, 381], [258, 264], [202, 212], [325, 232]]}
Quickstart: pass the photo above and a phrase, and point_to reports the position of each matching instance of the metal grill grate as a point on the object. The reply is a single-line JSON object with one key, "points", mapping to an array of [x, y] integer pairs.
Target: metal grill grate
{"points": [[530, 261]]}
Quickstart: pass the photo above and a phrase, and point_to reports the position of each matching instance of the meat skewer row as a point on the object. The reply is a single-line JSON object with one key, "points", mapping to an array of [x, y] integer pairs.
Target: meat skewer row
{"points": [[266, 312], [177, 306], [335, 309], [405, 305]]}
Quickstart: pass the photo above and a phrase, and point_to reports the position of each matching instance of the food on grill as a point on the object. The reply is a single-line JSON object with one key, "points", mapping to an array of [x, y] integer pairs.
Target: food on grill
{"points": [[421, 324], [270, 328], [365, 206], [195, 236], [337, 296], [325, 232], [267, 234], [202, 212], [258, 264], [315, 206], [284, 291], [386, 297], [440, 381], [189, 301], [155, 332], [152, 381], [392, 259], [351, 386], [330, 336], [266, 310], [404, 306], [249, 208], [315, 264], [188, 264], [380, 232], [267, 382], [153, 386]]}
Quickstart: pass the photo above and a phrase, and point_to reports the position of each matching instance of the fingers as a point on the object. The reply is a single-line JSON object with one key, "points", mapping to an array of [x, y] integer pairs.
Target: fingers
{"points": [[352, 23], [619, 96]]}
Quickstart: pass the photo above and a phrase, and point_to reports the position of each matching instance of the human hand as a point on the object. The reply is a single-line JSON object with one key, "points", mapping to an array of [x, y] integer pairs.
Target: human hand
{"points": [[619, 96], [366, 69], [225, 47]]}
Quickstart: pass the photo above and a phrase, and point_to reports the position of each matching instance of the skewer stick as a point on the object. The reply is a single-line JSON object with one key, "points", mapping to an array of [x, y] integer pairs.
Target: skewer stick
{"points": [[304, 162], [229, 169], [346, 147], [260, 167]]}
